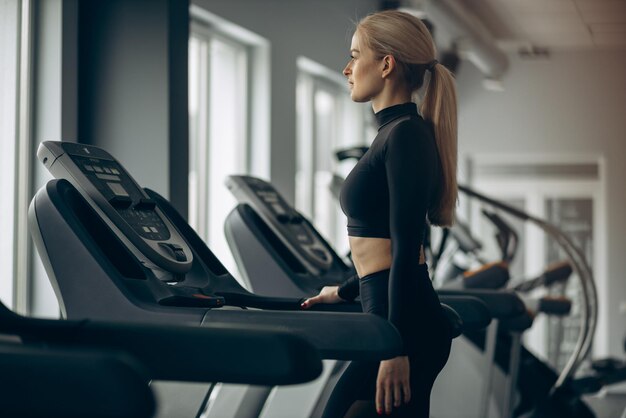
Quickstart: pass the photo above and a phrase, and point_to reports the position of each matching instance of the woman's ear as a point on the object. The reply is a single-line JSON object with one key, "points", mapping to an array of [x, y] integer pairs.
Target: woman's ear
{"points": [[389, 65]]}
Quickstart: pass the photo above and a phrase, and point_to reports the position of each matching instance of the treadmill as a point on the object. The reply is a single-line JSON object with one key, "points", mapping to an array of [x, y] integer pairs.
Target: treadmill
{"points": [[265, 230], [112, 252]]}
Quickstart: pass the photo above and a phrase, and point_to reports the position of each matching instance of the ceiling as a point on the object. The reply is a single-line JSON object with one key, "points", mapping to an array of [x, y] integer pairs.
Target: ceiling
{"points": [[551, 25]]}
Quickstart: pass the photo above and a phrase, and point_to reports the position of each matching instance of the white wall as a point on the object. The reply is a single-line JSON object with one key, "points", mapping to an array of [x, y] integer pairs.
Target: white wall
{"points": [[320, 30], [573, 103]]}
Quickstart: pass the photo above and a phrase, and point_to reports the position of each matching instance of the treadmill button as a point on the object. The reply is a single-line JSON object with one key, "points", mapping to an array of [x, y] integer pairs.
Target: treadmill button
{"points": [[175, 251], [145, 204], [321, 254], [180, 255], [120, 202]]}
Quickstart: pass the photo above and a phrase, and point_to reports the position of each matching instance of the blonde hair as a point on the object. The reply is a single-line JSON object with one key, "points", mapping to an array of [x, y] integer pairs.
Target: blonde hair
{"points": [[408, 40]]}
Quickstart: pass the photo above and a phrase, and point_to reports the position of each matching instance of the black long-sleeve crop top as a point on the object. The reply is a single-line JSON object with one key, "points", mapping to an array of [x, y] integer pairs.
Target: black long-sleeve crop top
{"points": [[388, 193]]}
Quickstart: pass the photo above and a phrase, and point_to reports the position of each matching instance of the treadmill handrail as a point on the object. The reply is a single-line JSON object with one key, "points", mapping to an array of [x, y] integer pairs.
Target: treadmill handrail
{"points": [[473, 311], [501, 304], [229, 353]]}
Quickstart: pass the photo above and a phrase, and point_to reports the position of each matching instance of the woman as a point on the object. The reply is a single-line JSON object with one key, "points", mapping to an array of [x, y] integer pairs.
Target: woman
{"points": [[406, 179]]}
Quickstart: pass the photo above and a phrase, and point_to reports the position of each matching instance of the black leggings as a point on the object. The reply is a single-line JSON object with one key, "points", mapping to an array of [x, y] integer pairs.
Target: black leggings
{"points": [[358, 382]]}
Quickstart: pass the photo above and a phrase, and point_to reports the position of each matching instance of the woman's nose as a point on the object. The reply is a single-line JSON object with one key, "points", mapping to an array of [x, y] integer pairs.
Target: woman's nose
{"points": [[346, 70]]}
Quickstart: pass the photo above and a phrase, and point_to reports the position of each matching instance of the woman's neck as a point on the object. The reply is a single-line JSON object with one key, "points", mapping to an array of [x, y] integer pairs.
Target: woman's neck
{"points": [[389, 97]]}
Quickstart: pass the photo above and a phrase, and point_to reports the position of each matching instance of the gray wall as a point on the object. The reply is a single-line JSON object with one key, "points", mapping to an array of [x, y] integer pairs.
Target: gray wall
{"points": [[133, 88], [320, 30], [572, 103]]}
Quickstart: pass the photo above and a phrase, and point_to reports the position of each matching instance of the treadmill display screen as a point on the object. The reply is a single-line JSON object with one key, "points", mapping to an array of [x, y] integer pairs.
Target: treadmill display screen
{"points": [[278, 209], [118, 189]]}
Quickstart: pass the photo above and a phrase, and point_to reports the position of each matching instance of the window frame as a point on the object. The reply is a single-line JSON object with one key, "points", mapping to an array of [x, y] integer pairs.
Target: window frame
{"points": [[206, 34], [350, 129], [21, 247], [253, 136]]}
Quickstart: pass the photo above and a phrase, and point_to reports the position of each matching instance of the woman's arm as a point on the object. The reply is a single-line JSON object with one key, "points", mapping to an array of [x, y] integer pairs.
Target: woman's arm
{"points": [[410, 165], [349, 290]]}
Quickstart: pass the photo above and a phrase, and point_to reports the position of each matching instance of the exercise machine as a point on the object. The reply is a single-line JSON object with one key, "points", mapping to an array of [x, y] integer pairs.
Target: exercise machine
{"points": [[114, 251]]}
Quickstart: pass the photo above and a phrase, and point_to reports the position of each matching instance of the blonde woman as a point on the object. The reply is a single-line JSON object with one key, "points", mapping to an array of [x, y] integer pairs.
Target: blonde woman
{"points": [[406, 180]]}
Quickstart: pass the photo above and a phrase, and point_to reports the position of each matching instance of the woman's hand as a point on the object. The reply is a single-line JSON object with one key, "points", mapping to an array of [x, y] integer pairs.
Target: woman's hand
{"points": [[392, 385], [328, 294]]}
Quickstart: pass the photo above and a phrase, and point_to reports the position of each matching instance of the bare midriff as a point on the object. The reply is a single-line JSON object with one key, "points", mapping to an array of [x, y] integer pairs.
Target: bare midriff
{"points": [[371, 255]]}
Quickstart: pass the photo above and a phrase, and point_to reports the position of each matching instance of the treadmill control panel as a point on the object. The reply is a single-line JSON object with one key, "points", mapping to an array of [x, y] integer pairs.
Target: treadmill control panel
{"points": [[137, 210], [298, 235], [121, 202]]}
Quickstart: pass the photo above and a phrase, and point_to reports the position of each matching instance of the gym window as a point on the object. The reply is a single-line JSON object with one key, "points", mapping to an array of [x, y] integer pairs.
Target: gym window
{"points": [[327, 120], [228, 119], [15, 26]]}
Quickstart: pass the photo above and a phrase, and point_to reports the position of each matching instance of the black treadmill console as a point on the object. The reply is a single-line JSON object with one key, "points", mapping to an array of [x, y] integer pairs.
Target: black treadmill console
{"points": [[303, 241], [103, 180]]}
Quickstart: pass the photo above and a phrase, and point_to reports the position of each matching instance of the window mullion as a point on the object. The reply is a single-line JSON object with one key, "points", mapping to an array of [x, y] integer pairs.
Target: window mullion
{"points": [[242, 145], [249, 110], [24, 167], [204, 140]]}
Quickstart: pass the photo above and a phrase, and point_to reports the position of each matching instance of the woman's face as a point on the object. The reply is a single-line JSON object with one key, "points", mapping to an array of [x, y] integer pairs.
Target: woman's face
{"points": [[364, 72]]}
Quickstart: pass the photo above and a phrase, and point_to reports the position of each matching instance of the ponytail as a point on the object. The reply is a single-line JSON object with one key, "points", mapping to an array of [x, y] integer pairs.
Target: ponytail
{"points": [[439, 107]]}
